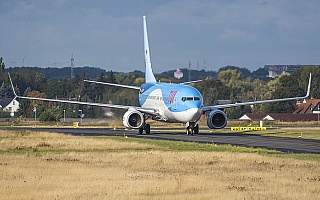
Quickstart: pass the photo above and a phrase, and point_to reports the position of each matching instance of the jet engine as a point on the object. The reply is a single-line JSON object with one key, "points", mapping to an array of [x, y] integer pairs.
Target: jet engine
{"points": [[216, 119], [133, 119]]}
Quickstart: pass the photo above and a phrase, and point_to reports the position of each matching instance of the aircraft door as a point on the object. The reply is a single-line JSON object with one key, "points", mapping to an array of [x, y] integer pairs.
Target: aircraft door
{"points": [[157, 98], [175, 101]]}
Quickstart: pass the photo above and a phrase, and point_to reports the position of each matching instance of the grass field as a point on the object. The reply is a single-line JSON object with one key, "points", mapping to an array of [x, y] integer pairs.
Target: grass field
{"points": [[290, 132], [38, 165]]}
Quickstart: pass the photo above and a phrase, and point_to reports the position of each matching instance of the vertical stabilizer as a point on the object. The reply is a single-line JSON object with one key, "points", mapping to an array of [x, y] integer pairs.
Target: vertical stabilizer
{"points": [[147, 61]]}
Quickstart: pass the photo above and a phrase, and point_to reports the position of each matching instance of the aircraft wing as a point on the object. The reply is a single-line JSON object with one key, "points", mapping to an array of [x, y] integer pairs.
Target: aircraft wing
{"points": [[150, 111], [113, 84], [209, 108], [186, 83]]}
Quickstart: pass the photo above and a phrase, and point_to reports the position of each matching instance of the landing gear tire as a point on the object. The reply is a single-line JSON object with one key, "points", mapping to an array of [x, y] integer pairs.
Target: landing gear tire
{"points": [[193, 130], [140, 130], [196, 129], [147, 129], [189, 130]]}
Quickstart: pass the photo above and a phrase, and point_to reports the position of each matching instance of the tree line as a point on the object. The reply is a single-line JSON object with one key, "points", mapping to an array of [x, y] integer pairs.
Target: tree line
{"points": [[230, 83]]}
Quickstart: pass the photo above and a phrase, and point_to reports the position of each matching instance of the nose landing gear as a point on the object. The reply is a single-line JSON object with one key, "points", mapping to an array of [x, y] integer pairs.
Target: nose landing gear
{"points": [[192, 128]]}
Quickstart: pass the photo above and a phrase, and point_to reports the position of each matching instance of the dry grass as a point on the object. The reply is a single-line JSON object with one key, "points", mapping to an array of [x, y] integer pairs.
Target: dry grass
{"points": [[26, 141], [306, 133], [67, 167]]}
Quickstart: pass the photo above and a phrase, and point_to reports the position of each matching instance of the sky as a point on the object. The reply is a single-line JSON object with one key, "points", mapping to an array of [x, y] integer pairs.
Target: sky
{"points": [[208, 33]]}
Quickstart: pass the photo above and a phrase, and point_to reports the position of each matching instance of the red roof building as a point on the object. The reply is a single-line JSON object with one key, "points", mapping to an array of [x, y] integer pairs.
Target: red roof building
{"points": [[307, 110], [283, 117], [308, 106]]}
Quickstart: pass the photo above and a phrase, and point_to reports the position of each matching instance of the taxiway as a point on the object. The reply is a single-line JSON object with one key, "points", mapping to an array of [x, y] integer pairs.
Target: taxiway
{"points": [[294, 145]]}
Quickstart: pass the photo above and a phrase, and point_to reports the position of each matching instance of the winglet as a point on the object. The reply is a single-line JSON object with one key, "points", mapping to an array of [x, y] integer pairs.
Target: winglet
{"points": [[309, 85], [14, 92]]}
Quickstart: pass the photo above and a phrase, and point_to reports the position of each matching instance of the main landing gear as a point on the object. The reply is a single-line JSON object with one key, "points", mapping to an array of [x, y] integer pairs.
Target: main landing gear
{"points": [[192, 129], [146, 128]]}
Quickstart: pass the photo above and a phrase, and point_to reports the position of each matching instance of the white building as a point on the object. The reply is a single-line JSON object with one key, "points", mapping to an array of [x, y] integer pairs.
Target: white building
{"points": [[178, 74], [9, 105]]}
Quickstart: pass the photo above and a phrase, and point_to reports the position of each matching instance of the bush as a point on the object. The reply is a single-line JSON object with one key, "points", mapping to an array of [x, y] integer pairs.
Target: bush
{"points": [[4, 114], [49, 116]]}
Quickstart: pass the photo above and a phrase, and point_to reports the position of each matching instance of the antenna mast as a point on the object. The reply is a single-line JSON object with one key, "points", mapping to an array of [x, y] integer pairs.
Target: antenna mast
{"points": [[71, 66], [189, 70]]}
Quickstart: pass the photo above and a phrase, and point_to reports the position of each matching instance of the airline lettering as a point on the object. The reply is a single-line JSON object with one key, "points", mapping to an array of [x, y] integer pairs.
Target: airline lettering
{"points": [[143, 96]]}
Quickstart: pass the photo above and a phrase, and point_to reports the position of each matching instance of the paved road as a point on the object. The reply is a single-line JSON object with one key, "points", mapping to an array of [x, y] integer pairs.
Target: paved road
{"points": [[294, 145]]}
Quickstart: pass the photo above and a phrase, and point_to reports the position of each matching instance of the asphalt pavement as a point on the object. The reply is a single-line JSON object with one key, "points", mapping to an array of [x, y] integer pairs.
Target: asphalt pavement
{"points": [[285, 145]]}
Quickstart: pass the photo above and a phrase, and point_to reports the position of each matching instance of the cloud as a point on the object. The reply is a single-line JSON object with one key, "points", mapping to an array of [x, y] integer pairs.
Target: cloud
{"points": [[109, 33], [230, 35]]}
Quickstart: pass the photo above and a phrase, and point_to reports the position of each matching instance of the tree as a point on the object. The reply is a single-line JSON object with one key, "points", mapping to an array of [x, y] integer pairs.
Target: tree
{"points": [[261, 73], [244, 71], [139, 81], [26, 78], [38, 95], [36, 104], [280, 107], [2, 90], [110, 77], [301, 76], [232, 79], [2, 65], [260, 92], [291, 84], [213, 90], [236, 112]]}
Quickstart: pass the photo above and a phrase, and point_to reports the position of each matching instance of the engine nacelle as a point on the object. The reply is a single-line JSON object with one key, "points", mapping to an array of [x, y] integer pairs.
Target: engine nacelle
{"points": [[133, 119], [216, 119]]}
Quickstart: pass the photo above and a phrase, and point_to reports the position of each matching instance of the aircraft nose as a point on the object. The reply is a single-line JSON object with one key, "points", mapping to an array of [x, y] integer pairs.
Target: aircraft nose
{"points": [[194, 105], [194, 114]]}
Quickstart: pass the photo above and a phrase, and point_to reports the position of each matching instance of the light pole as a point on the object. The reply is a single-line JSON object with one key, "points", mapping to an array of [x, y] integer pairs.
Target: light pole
{"points": [[64, 115], [35, 113], [80, 116], [318, 113]]}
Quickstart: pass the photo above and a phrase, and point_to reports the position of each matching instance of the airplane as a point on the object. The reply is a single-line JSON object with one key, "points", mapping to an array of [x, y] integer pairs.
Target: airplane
{"points": [[167, 102]]}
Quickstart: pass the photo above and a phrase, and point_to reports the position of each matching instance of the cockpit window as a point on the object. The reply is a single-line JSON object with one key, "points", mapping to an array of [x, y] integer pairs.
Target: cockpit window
{"points": [[190, 99], [197, 98]]}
